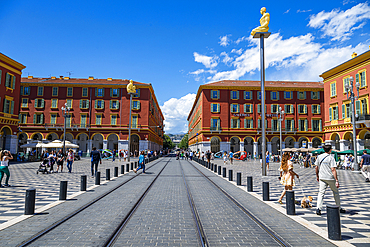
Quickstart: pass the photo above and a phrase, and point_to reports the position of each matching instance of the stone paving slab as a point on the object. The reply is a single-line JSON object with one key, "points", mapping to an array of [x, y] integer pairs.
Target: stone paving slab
{"points": [[23, 176], [15, 234], [354, 193]]}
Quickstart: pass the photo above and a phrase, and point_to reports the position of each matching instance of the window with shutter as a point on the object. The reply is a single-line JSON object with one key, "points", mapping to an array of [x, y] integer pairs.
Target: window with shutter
{"points": [[358, 107], [40, 91], [259, 95], [54, 91], [137, 95], [363, 79], [84, 92], [13, 84], [214, 94], [343, 111], [330, 114]]}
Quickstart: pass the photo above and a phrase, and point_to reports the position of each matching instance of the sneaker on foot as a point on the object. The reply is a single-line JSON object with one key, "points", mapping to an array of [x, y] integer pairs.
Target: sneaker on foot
{"points": [[7, 185], [342, 210], [367, 180], [318, 211]]}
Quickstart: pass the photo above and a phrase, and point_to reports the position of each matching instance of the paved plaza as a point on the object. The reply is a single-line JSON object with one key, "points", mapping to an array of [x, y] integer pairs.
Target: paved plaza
{"points": [[164, 216]]}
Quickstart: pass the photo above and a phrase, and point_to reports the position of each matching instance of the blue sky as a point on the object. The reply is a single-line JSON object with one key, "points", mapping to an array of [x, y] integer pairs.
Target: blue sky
{"points": [[179, 45]]}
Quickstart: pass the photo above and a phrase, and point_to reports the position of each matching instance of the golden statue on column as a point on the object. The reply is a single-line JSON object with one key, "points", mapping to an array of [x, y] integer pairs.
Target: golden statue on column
{"points": [[265, 19], [131, 88]]}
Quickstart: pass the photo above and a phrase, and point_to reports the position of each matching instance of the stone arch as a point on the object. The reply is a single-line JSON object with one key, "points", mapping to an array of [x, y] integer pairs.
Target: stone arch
{"points": [[5, 139], [248, 144], [112, 141], [82, 142], [97, 140], [316, 142], [215, 144], [289, 142], [275, 145], [69, 136], [235, 144], [52, 136], [37, 136], [134, 145], [362, 134], [333, 136], [259, 141], [347, 140], [303, 142]]}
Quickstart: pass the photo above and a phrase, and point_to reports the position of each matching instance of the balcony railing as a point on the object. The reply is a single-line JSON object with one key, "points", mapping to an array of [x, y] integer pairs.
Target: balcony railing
{"points": [[363, 117]]}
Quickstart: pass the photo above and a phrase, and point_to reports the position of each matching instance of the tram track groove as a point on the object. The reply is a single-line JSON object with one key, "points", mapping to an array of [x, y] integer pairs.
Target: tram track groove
{"points": [[42, 233], [279, 240]]}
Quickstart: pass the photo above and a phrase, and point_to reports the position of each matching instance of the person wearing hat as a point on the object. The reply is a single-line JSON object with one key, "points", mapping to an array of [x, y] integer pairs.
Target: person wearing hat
{"points": [[326, 175]]}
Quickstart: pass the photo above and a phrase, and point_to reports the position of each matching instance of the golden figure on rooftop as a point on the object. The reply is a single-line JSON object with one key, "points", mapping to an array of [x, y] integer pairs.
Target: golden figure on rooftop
{"points": [[264, 21], [131, 88]]}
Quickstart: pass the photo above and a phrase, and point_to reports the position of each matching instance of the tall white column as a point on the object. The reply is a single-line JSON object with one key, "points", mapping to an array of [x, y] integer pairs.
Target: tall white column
{"points": [[342, 145], [296, 144], [105, 144], [241, 146], [269, 147], [255, 148]]}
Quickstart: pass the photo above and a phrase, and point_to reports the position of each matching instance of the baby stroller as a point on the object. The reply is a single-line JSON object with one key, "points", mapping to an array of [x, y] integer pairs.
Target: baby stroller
{"points": [[43, 167]]}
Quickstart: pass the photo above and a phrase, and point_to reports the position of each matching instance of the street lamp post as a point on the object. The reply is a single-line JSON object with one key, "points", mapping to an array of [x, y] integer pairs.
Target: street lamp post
{"points": [[281, 118], [131, 90], [65, 110], [351, 94]]}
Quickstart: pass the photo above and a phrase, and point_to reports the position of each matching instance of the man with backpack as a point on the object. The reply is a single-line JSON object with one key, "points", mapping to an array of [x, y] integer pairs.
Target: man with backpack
{"points": [[95, 159], [326, 175]]}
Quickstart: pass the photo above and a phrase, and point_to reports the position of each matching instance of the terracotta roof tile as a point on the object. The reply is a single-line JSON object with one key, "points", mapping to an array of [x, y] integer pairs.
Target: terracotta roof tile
{"points": [[78, 81], [302, 84]]}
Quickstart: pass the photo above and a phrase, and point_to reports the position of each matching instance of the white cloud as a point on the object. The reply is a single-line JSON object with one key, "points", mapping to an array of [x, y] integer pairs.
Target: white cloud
{"points": [[241, 39], [339, 25], [304, 11], [224, 40], [209, 62], [226, 60], [240, 51], [175, 112], [286, 12]]}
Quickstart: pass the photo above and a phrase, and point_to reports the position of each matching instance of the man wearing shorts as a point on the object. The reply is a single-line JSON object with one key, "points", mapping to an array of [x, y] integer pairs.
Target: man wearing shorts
{"points": [[365, 165], [60, 160]]}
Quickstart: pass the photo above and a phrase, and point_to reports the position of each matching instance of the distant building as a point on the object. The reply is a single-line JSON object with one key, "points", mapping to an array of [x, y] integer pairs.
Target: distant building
{"points": [[226, 115], [99, 115], [10, 84], [337, 120]]}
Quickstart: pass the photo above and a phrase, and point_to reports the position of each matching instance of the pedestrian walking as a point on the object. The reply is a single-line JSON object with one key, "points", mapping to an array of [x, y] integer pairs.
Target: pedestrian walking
{"points": [[225, 158], [70, 159], [286, 175], [95, 159], [60, 160], [268, 160], [365, 165], [326, 175], [114, 155], [208, 155], [5, 156], [231, 157], [141, 162]]}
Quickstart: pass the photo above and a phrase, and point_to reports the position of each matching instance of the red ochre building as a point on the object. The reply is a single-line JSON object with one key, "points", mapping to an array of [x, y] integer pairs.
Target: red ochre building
{"points": [[10, 84], [337, 122], [99, 115], [226, 115]]}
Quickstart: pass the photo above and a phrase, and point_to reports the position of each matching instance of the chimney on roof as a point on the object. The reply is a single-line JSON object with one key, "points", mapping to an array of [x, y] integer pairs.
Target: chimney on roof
{"points": [[109, 79], [91, 78], [61, 77], [354, 55], [30, 77], [66, 78], [53, 78]]}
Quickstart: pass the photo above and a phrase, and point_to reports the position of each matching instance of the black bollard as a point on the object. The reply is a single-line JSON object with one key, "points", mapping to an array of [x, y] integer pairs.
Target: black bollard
{"points": [[116, 171], [333, 221], [239, 178], [266, 191], [127, 167], [122, 169], [250, 184], [215, 168], [107, 174], [29, 207], [290, 202], [212, 165], [224, 172], [230, 175], [219, 170], [83, 183], [132, 165], [97, 178], [63, 190], [135, 164]]}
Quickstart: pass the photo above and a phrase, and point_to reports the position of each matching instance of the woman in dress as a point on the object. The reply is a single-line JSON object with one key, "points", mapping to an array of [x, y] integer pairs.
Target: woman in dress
{"points": [[5, 156], [286, 175]]}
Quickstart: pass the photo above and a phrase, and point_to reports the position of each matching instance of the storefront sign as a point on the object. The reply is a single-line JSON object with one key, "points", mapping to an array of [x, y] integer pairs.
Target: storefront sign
{"points": [[241, 115]]}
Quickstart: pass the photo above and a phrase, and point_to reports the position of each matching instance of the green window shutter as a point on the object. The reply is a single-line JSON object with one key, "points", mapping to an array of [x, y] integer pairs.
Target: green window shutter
{"points": [[41, 118], [218, 123], [218, 94], [11, 107], [292, 109], [259, 108], [34, 118], [286, 108], [96, 104], [118, 92], [231, 94], [110, 102], [343, 111], [7, 80], [238, 107], [102, 104], [312, 94], [251, 123], [312, 110], [218, 107], [87, 103], [237, 94], [251, 108], [293, 124], [103, 92], [42, 103], [318, 95], [319, 109], [305, 109], [358, 107], [81, 103], [22, 91], [285, 121], [117, 105], [13, 84], [111, 92], [299, 125], [96, 93], [272, 108], [278, 95], [271, 95], [320, 125], [259, 123], [330, 114], [312, 129], [238, 123], [363, 81], [231, 107], [245, 108], [36, 102], [358, 78], [245, 123], [337, 114], [304, 94]]}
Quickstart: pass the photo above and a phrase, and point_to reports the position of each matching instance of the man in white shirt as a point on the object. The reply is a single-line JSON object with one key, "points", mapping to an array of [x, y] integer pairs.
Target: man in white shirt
{"points": [[326, 175]]}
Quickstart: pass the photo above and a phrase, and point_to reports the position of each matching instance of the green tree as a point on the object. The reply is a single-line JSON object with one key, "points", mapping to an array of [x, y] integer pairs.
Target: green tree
{"points": [[184, 142], [167, 142]]}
